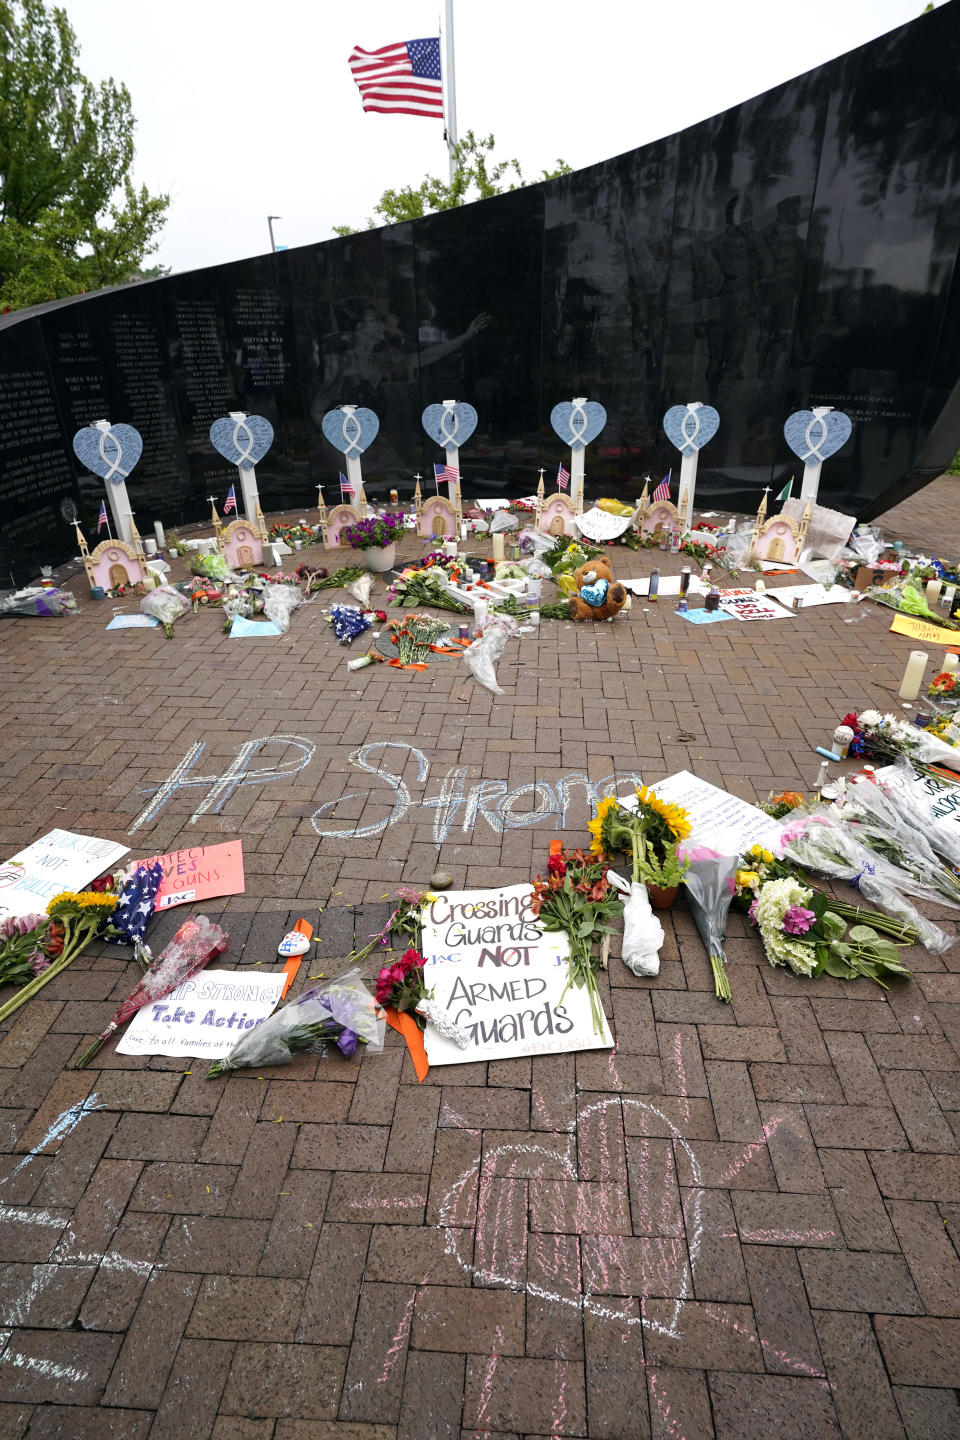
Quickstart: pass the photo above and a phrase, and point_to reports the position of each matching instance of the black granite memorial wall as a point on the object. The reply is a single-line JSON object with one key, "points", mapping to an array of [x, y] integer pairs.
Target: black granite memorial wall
{"points": [[798, 250]]}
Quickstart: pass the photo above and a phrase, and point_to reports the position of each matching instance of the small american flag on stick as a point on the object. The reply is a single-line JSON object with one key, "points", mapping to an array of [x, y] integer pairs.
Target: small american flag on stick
{"points": [[563, 478], [102, 518], [445, 474], [662, 491], [231, 501], [345, 487]]}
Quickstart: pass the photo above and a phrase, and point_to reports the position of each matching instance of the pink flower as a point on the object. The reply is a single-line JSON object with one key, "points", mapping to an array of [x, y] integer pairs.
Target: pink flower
{"points": [[752, 912], [797, 921]]}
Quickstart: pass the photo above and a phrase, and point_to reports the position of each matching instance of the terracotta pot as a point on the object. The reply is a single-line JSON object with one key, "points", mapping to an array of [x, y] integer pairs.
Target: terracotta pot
{"points": [[662, 897], [379, 558]]}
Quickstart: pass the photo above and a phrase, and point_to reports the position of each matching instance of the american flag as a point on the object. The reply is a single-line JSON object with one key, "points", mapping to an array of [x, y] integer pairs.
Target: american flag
{"points": [[445, 474], [231, 501], [563, 478], [401, 79], [662, 491], [102, 518], [345, 487]]}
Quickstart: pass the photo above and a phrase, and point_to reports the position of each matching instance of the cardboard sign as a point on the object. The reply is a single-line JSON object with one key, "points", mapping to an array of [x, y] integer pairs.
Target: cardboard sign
{"points": [[810, 595], [502, 978], [748, 605], [205, 1016], [720, 820], [57, 861], [919, 629], [192, 876]]}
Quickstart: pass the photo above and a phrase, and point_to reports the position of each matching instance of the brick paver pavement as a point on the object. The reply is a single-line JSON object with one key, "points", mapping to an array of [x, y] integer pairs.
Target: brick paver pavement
{"points": [[743, 1221]]}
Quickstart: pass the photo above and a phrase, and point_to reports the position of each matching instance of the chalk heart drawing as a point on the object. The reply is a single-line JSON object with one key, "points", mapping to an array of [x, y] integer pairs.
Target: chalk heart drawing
{"points": [[577, 422], [111, 454], [351, 431], [583, 1301], [690, 427], [242, 442], [450, 426], [815, 435]]}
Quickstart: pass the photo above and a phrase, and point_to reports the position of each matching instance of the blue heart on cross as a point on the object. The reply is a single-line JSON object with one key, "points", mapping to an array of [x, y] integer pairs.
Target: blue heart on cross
{"points": [[451, 424], [243, 442], [690, 427], [350, 429], [111, 454], [577, 422], [815, 435]]}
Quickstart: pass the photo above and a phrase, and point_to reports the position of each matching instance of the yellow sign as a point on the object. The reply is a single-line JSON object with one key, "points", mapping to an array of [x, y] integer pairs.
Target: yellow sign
{"points": [[924, 630]]}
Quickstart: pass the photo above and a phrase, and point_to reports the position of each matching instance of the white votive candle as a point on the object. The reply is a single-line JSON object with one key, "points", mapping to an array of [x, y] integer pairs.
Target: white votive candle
{"points": [[933, 592], [496, 541], [948, 666], [913, 675]]}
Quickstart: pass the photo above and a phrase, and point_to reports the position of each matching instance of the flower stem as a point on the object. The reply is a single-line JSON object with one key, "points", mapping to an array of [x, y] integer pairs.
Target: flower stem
{"points": [[721, 978]]}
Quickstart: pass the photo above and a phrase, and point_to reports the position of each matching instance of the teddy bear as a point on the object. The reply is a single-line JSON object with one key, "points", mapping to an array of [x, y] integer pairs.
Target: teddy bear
{"points": [[598, 596]]}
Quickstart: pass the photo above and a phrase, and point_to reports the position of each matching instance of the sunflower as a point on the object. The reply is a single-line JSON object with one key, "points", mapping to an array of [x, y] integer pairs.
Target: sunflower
{"points": [[595, 826], [674, 816]]}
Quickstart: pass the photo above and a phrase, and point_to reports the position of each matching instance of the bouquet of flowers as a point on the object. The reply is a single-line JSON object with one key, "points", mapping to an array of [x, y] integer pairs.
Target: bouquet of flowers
{"points": [[195, 944], [348, 622], [817, 842], [709, 883], [886, 737], [320, 580], [21, 956], [942, 685], [73, 919], [577, 898], [166, 605], [649, 831], [942, 836], [782, 804], [404, 922], [211, 567], [424, 587], [415, 636], [401, 987], [376, 532], [800, 931], [907, 597], [758, 865], [340, 1012]]}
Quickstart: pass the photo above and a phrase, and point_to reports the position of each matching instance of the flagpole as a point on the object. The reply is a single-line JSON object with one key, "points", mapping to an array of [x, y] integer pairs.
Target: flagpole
{"points": [[450, 88]]}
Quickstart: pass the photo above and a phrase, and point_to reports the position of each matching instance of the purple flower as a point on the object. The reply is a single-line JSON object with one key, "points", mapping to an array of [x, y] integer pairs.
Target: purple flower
{"points": [[797, 921], [752, 912], [39, 963], [347, 1041]]}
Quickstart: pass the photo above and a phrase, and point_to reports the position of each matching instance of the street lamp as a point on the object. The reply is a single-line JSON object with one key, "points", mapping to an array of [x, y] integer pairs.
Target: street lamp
{"points": [[270, 220]]}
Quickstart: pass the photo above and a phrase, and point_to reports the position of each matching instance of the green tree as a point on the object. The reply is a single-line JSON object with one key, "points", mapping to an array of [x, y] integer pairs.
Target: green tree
{"points": [[477, 176], [71, 218]]}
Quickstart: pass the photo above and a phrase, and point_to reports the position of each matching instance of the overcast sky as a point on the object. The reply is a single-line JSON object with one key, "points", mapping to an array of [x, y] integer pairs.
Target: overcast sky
{"points": [[249, 109]]}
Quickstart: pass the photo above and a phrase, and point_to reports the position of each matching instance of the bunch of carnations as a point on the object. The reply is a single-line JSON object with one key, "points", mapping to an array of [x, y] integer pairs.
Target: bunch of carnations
{"points": [[649, 832], [73, 918], [800, 930], [577, 898], [401, 986]]}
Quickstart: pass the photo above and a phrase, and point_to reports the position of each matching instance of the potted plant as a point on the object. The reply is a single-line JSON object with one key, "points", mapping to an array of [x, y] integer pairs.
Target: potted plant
{"points": [[376, 538], [649, 832]]}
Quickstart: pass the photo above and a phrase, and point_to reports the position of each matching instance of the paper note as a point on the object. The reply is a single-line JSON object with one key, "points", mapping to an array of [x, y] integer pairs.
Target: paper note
{"points": [[704, 616], [57, 861], [194, 875], [919, 629], [133, 622], [205, 1016]]}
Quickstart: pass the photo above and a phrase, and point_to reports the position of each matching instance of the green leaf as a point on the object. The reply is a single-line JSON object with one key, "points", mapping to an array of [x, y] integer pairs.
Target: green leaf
{"points": [[863, 933], [837, 967], [818, 904]]}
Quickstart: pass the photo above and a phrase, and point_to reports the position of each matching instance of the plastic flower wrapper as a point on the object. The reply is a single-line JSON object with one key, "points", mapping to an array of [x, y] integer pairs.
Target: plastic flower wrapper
{"points": [[360, 589], [482, 656], [887, 736], [942, 836], [341, 1012], [709, 881], [196, 943], [348, 622], [642, 932], [758, 864], [166, 605], [817, 842], [885, 816], [279, 603], [138, 900], [214, 567]]}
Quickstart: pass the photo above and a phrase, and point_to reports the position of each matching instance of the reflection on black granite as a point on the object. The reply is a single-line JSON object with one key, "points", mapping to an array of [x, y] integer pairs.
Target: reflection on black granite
{"points": [[799, 249]]}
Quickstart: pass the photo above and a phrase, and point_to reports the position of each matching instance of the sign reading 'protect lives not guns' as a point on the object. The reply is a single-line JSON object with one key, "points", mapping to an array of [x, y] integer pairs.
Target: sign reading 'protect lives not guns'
{"points": [[503, 979]]}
